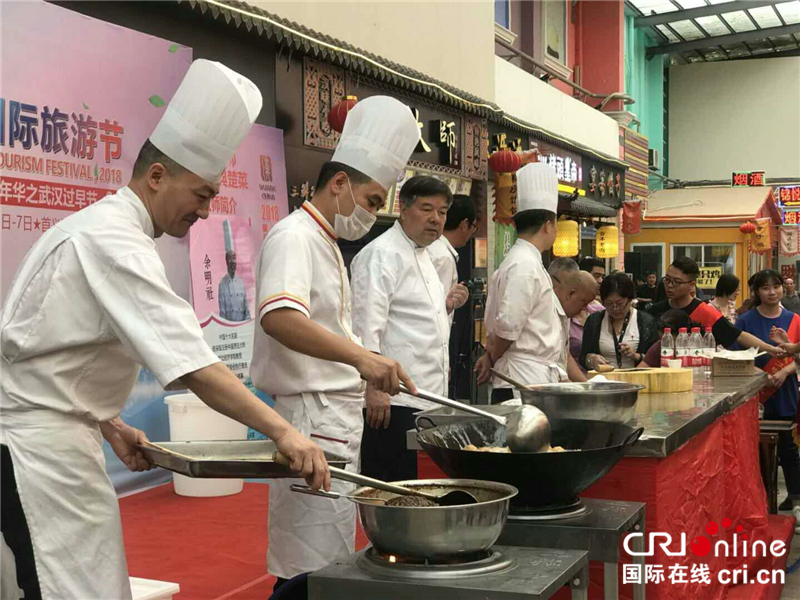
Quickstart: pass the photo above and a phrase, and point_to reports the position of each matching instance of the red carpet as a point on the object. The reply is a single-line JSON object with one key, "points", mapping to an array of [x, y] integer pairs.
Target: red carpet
{"points": [[215, 548]]}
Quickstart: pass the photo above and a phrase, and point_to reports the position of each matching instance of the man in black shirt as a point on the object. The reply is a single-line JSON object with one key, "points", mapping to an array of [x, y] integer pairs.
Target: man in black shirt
{"points": [[647, 292], [680, 283]]}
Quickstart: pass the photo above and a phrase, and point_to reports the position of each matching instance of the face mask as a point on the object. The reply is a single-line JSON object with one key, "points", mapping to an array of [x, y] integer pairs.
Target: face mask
{"points": [[355, 225]]}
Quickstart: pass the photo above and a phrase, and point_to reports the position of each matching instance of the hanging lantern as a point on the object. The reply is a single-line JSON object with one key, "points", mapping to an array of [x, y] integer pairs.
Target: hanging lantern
{"points": [[339, 112], [607, 242], [505, 161], [748, 227], [568, 238]]}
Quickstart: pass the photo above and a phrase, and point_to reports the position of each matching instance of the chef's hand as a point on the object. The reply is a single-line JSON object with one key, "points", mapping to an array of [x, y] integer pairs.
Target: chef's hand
{"points": [[379, 410], [457, 297], [482, 369], [778, 335], [306, 459], [123, 440], [384, 374]]}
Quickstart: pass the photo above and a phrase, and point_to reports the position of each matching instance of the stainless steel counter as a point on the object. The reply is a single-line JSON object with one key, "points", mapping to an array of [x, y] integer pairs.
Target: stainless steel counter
{"points": [[669, 420]]}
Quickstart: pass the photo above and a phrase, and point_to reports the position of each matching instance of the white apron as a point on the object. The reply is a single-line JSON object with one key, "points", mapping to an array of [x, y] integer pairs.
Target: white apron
{"points": [[66, 495], [307, 533]]}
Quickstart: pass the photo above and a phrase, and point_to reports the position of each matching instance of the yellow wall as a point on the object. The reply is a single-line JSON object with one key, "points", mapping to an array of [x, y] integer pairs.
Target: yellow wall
{"points": [[698, 235]]}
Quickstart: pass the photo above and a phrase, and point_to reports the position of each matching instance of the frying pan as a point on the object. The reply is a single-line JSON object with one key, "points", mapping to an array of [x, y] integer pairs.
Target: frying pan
{"points": [[544, 478]]}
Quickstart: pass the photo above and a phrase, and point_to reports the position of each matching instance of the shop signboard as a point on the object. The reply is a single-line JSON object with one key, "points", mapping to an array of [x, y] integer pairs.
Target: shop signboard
{"points": [[788, 195], [709, 275], [748, 179], [568, 165]]}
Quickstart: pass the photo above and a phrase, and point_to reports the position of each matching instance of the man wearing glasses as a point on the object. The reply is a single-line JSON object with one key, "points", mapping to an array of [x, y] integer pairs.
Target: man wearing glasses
{"points": [[680, 284]]}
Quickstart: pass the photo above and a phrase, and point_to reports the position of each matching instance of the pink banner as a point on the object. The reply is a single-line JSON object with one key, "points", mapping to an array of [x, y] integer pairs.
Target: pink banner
{"points": [[70, 130], [223, 248]]}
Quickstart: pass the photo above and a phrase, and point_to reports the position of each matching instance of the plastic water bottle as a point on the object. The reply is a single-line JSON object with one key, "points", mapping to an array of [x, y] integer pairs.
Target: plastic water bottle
{"points": [[682, 348], [710, 346], [697, 347], [667, 347]]}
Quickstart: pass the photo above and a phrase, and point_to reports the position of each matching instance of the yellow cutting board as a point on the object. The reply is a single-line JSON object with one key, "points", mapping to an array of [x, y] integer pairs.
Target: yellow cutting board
{"points": [[656, 381]]}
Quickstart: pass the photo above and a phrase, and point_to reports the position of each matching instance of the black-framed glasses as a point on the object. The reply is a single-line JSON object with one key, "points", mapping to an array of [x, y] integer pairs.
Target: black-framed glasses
{"points": [[675, 282]]}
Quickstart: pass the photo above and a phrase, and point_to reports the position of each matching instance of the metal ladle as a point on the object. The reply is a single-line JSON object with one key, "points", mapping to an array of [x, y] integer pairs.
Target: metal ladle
{"points": [[453, 498], [527, 428]]}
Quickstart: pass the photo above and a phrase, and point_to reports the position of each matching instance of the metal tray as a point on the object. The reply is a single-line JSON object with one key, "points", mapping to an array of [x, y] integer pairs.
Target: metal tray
{"points": [[226, 459]]}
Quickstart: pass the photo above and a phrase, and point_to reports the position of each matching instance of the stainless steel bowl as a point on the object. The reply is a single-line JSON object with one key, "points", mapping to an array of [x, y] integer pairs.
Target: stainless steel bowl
{"points": [[613, 401], [437, 532]]}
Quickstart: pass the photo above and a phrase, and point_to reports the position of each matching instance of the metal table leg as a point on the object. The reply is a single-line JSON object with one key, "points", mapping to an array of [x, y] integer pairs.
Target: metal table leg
{"points": [[580, 585], [639, 589], [610, 581]]}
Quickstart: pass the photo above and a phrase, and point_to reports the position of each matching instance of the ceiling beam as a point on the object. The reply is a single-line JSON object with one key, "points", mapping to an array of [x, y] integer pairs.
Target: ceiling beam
{"points": [[733, 38], [702, 11]]}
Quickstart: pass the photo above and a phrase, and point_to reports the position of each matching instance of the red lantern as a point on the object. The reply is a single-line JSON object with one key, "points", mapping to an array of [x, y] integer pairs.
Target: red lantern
{"points": [[748, 227], [505, 161], [339, 112]]}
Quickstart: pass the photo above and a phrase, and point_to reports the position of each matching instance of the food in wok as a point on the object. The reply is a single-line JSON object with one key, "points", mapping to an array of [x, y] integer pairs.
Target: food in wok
{"points": [[506, 449]]}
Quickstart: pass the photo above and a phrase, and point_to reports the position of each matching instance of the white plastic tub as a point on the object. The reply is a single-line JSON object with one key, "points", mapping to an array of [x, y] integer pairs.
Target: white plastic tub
{"points": [[191, 420], [150, 589]]}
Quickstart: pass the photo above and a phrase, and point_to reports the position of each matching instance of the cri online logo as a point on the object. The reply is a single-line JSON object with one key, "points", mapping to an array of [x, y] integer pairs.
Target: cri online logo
{"points": [[702, 546]]}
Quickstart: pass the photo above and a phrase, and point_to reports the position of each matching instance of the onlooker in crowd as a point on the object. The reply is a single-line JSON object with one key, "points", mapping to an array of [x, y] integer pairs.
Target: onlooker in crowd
{"points": [[791, 300], [680, 281], [597, 269], [768, 320], [725, 298], [575, 289], [620, 335], [647, 292]]}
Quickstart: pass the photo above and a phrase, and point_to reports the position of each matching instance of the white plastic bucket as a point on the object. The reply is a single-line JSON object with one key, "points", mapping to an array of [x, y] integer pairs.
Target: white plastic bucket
{"points": [[150, 589], [190, 419]]}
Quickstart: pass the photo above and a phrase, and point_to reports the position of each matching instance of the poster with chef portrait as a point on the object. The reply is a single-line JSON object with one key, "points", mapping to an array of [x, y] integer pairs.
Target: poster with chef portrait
{"points": [[223, 249]]}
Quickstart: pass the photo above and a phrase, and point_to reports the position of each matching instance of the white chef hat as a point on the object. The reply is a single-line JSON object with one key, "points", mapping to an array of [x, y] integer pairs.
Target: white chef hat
{"points": [[379, 135], [228, 233], [207, 118], [537, 188]]}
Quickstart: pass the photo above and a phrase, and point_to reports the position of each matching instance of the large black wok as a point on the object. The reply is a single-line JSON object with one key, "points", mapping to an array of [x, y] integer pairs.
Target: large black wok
{"points": [[543, 479]]}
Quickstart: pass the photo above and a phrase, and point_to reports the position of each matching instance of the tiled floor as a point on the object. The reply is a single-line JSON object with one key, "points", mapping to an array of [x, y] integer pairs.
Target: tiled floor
{"points": [[791, 591]]}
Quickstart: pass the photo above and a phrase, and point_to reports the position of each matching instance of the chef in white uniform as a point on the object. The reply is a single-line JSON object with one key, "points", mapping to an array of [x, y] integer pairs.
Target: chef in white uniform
{"points": [[306, 355], [89, 304], [232, 292], [458, 230], [522, 312], [400, 310]]}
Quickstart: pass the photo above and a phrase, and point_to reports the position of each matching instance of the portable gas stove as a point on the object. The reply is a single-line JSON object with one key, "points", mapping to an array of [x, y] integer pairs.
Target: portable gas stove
{"points": [[501, 573], [597, 526]]}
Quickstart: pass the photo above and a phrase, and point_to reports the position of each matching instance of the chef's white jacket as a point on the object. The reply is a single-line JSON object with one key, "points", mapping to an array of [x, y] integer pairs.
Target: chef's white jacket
{"points": [[399, 310], [445, 260], [301, 267], [522, 307], [89, 304]]}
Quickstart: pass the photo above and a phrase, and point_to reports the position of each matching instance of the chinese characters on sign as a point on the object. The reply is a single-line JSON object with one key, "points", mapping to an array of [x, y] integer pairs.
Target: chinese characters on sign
{"points": [[697, 573], [568, 165], [20, 126], [790, 217], [751, 179], [788, 195], [207, 278], [709, 276], [41, 194]]}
